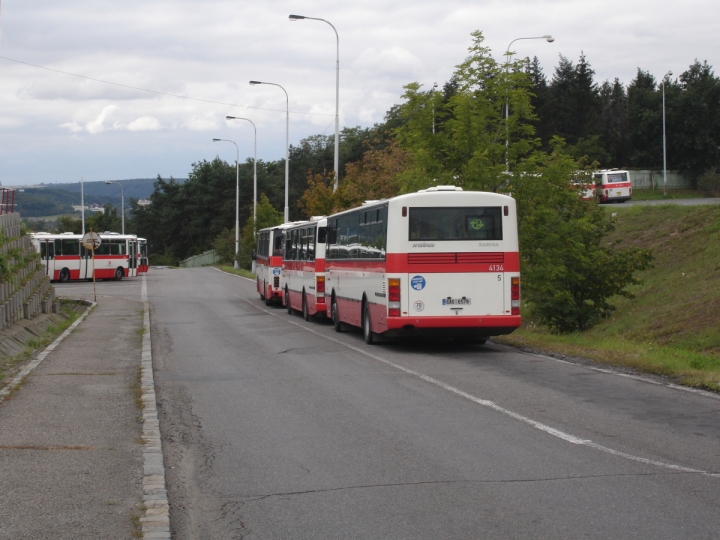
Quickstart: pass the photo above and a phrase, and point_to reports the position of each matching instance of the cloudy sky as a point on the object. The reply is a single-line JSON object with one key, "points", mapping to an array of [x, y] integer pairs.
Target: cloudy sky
{"points": [[58, 128]]}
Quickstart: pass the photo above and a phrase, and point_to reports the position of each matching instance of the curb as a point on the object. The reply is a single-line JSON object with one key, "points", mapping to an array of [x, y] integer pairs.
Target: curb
{"points": [[35, 362], [156, 521]]}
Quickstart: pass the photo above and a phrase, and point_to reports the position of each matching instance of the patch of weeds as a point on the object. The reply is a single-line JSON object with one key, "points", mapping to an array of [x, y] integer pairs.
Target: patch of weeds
{"points": [[140, 440], [137, 389], [134, 515]]}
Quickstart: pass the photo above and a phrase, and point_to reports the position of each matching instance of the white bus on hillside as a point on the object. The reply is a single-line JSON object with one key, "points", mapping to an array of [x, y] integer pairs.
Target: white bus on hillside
{"points": [[613, 185], [268, 262], [440, 262], [65, 258], [303, 268]]}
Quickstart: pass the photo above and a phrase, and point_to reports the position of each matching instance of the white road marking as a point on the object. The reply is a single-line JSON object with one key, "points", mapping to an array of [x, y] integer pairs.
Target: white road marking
{"points": [[494, 406]]}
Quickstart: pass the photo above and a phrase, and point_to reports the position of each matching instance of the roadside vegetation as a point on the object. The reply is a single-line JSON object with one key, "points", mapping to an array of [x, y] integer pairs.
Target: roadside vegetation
{"points": [[70, 310], [672, 325]]}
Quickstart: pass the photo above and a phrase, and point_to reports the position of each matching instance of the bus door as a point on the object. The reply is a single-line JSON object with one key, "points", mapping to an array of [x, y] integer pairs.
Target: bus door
{"points": [[47, 255], [86, 264], [132, 258]]}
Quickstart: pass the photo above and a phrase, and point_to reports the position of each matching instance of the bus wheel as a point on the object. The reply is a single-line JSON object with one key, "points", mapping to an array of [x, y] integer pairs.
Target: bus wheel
{"points": [[119, 274], [336, 317], [64, 275], [305, 312], [287, 301], [367, 328]]}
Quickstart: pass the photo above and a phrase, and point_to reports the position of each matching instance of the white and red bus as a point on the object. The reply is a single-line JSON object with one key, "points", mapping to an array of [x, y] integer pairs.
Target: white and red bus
{"points": [[65, 258], [441, 262], [143, 261], [613, 185], [303, 268], [268, 262]]}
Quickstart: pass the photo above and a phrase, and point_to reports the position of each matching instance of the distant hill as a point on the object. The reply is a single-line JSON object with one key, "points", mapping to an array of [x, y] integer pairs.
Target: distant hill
{"points": [[55, 199]]}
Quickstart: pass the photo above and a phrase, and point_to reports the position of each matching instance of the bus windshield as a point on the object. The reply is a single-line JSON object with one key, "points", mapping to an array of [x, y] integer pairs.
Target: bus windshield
{"points": [[473, 223]]}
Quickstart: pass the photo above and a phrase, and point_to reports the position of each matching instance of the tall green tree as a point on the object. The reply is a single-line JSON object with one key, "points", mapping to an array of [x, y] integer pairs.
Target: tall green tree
{"points": [[468, 145], [693, 121]]}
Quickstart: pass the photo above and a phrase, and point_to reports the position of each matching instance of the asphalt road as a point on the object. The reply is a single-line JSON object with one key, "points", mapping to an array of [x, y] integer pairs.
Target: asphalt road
{"points": [[278, 428]]}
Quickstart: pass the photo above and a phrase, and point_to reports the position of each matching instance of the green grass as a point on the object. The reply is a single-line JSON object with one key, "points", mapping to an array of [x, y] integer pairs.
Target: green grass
{"points": [[241, 272], [672, 326], [657, 194]]}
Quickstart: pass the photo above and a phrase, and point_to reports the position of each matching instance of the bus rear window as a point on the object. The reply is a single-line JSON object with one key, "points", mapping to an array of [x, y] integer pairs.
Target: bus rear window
{"points": [[471, 223]]}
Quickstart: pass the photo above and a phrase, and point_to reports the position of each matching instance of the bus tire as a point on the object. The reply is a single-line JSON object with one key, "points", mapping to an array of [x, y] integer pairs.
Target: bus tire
{"points": [[336, 317], [119, 274], [287, 301], [64, 276], [368, 334], [305, 312]]}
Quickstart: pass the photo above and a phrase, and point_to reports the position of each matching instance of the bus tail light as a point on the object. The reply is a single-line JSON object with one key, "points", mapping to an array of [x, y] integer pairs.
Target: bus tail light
{"points": [[515, 295], [393, 297], [320, 285]]}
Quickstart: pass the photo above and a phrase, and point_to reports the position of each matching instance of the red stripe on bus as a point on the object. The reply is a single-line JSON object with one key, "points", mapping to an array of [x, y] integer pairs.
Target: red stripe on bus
{"points": [[456, 321], [398, 263]]}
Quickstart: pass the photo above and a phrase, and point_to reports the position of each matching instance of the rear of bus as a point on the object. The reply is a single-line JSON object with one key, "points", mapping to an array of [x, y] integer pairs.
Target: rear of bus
{"points": [[453, 264], [613, 186], [268, 259]]}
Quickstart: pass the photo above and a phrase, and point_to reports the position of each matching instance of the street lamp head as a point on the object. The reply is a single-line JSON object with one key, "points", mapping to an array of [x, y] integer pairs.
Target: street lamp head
{"points": [[296, 17], [230, 118], [217, 140], [255, 82], [549, 39], [107, 182]]}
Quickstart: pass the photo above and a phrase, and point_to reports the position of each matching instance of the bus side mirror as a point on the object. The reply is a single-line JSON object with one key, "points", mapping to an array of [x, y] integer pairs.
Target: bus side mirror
{"points": [[254, 255]]}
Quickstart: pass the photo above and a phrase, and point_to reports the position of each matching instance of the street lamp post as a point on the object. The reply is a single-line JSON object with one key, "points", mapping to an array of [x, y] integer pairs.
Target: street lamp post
{"points": [[547, 38], [122, 202], [254, 169], [287, 144], [237, 199], [669, 74], [337, 93]]}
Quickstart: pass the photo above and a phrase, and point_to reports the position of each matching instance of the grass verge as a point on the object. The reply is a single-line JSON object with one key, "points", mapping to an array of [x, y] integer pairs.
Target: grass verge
{"points": [[240, 272], [657, 194], [672, 326]]}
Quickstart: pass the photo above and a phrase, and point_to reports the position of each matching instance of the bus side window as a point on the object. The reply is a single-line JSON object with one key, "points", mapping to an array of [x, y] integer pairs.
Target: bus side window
{"points": [[278, 247]]}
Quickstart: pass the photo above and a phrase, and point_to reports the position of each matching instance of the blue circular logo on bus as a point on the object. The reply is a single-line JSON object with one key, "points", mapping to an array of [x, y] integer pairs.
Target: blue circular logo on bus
{"points": [[418, 283], [276, 271]]}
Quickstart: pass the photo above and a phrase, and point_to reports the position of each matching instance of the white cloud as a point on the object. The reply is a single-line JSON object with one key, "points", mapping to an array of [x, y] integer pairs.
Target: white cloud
{"points": [[394, 62], [144, 123]]}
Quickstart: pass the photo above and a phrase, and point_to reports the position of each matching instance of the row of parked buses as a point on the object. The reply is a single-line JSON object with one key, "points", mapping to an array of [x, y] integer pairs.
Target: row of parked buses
{"points": [[65, 258], [609, 185], [441, 261]]}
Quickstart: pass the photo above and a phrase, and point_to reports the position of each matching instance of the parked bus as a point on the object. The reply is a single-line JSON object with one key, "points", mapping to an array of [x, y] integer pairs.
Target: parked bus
{"points": [[143, 262], [440, 262], [303, 268], [268, 262], [65, 258], [613, 185]]}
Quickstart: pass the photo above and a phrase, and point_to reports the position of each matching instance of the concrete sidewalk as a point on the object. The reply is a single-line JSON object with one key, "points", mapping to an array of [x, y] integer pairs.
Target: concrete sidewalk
{"points": [[71, 446]]}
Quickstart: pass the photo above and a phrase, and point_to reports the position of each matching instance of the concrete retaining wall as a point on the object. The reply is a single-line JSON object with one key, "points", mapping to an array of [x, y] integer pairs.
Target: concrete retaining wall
{"points": [[654, 180], [25, 290], [206, 259]]}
